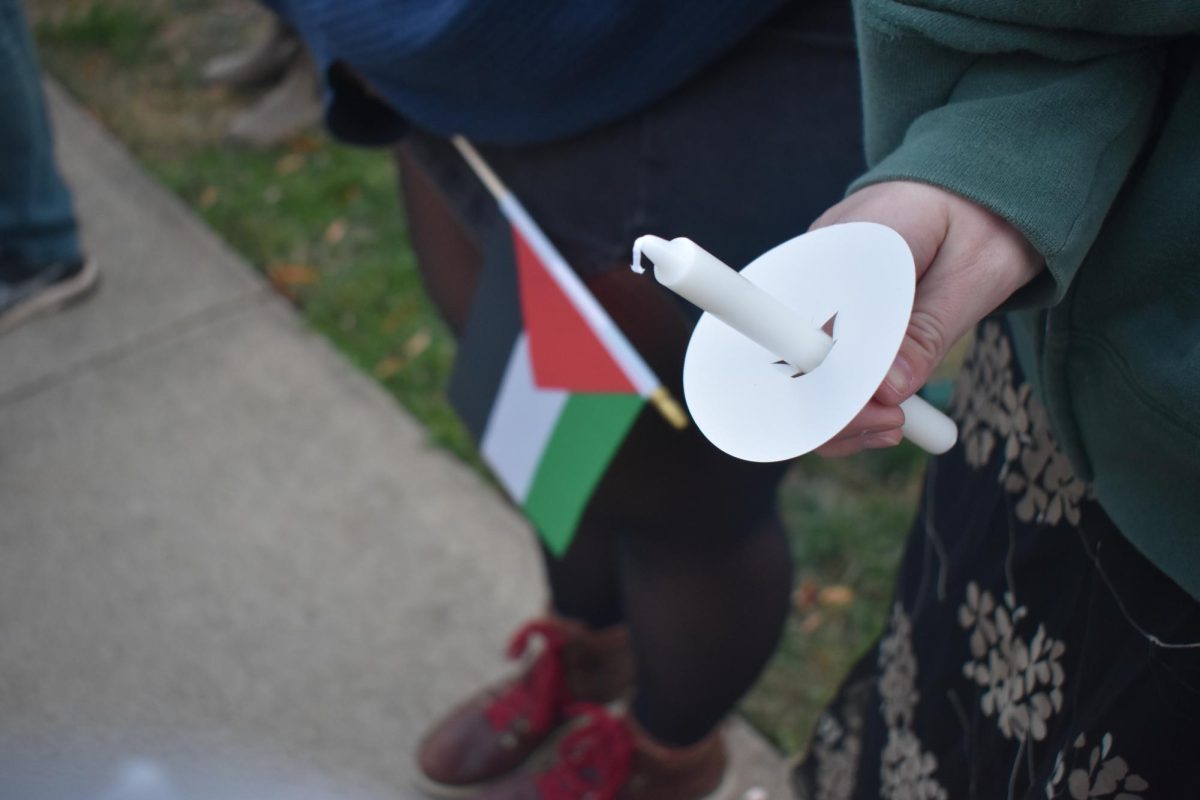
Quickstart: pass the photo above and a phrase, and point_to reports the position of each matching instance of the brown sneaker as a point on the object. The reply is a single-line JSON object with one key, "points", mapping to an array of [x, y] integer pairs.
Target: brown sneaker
{"points": [[610, 758], [496, 731]]}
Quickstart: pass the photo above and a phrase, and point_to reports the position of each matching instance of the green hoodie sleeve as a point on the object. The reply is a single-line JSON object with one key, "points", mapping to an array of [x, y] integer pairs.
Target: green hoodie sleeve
{"points": [[1037, 111]]}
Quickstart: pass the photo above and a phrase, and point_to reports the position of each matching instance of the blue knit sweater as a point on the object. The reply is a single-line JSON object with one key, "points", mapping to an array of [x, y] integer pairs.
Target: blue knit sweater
{"points": [[507, 71]]}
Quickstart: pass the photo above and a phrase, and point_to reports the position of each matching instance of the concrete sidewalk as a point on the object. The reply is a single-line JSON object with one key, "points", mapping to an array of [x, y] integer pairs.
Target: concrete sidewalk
{"points": [[226, 558]]}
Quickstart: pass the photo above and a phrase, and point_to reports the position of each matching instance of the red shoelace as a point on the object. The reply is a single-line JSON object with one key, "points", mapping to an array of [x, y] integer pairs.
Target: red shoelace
{"points": [[541, 694], [594, 759]]}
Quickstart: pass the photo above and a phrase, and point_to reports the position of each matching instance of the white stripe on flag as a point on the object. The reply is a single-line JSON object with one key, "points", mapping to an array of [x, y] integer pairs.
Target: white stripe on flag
{"points": [[521, 423]]}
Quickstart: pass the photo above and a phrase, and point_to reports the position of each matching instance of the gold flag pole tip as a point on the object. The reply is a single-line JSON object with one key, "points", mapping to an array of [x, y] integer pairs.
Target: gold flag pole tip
{"points": [[660, 398], [670, 408]]}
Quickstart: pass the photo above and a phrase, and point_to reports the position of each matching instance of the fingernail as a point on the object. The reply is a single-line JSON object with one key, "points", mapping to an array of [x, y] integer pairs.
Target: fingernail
{"points": [[899, 377], [878, 441]]}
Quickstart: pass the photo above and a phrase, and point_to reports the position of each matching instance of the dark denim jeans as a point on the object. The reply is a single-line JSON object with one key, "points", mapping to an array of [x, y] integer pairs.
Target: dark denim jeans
{"points": [[37, 224]]}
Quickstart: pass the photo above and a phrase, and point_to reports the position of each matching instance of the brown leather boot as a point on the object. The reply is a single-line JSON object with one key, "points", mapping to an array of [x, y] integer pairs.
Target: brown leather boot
{"points": [[611, 758], [495, 731]]}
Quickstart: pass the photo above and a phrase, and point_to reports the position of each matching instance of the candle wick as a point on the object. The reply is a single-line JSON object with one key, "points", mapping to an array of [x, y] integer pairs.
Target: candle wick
{"points": [[636, 264]]}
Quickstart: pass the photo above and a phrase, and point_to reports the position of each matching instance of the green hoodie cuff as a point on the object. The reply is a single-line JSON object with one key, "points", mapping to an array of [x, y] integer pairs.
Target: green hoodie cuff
{"points": [[1045, 144]]}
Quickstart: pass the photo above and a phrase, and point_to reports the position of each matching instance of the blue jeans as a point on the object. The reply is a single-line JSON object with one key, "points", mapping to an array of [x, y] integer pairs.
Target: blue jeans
{"points": [[37, 223]]}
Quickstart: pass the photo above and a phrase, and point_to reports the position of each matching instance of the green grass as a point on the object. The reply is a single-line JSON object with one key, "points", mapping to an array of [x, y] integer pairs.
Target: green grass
{"points": [[126, 33], [323, 221], [846, 519], [333, 214]]}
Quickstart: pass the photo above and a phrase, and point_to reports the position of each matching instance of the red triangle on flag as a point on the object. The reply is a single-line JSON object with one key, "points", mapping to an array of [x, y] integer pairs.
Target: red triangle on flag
{"points": [[565, 351]]}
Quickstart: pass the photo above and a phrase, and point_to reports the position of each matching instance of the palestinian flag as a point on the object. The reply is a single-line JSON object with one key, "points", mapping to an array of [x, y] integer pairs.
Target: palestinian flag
{"points": [[544, 380]]}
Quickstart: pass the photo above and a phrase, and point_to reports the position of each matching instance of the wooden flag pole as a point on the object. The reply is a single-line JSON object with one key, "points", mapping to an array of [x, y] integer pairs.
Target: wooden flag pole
{"points": [[646, 382]]}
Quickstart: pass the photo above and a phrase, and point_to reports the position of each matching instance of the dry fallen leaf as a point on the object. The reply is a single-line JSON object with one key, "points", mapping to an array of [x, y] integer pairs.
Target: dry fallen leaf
{"points": [[287, 277], [336, 231], [417, 343], [836, 596], [289, 163], [304, 143], [388, 367], [209, 196], [805, 595]]}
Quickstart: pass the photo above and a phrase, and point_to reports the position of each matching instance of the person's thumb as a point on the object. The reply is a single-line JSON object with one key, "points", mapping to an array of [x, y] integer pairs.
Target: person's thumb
{"points": [[926, 342]]}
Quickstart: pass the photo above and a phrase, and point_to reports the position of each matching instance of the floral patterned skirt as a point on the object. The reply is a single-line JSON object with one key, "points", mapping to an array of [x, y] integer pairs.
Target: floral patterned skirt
{"points": [[1031, 652]]}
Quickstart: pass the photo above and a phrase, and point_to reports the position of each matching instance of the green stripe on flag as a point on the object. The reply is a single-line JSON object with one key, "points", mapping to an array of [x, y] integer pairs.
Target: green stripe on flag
{"points": [[589, 430]]}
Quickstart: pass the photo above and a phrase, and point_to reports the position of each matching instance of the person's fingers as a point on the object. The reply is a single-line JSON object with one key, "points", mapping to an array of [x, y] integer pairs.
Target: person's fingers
{"points": [[874, 427], [874, 418], [967, 262], [840, 448]]}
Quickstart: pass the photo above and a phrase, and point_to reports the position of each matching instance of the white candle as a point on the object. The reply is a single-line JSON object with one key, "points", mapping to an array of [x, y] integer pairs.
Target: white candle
{"points": [[700, 278]]}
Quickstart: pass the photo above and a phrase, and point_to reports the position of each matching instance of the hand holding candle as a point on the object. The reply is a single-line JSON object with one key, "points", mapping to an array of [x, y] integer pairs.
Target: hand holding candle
{"points": [[968, 261], [839, 393]]}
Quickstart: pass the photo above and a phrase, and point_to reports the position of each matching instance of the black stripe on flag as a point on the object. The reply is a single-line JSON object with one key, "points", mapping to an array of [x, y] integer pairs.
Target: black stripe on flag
{"points": [[491, 332]]}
